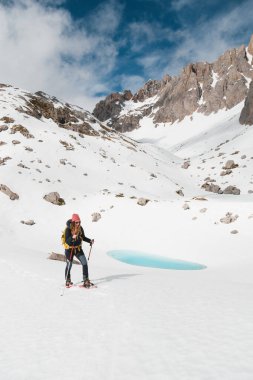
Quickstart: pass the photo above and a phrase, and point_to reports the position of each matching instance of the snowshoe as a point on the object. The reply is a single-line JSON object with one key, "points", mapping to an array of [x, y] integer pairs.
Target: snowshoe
{"points": [[87, 283], [69, 283]]}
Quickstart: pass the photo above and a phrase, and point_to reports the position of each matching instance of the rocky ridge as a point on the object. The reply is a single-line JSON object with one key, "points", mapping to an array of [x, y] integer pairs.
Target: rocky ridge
{"points": [[42, 106], [202, 87]]}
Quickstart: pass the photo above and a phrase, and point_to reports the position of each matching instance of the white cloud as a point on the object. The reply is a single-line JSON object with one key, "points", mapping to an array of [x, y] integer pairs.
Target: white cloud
{"points": [[143, 33], [43, 49], [106, 17], [205, 41], [132, 82], [180, 4]]}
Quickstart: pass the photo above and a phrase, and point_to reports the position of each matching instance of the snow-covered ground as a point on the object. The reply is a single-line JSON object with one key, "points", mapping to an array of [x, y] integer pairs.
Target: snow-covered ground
{"points": [[140, 323]]}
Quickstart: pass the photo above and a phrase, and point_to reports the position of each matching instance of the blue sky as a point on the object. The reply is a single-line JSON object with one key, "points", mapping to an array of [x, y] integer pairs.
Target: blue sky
{"points": [[81, 51]]}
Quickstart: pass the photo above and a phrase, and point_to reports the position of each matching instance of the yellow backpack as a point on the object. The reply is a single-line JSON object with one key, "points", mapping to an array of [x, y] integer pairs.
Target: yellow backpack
{"points": [[63, 239]]}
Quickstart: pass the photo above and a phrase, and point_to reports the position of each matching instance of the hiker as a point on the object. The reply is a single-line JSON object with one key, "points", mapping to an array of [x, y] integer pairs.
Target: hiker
{"points": [[74, 235]]}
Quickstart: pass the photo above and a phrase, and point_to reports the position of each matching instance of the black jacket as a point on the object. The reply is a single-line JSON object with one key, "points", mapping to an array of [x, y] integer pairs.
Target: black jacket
{"points": [[80, 237]]}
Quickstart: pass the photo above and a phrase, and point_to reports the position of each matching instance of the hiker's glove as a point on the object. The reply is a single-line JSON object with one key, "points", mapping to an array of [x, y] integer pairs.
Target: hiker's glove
{"points": [[92, 242]]}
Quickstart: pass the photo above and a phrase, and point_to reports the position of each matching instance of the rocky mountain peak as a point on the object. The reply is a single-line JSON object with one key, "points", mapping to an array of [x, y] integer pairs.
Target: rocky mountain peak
{"points": [[112, 105], [202, 87], [150, 89]]}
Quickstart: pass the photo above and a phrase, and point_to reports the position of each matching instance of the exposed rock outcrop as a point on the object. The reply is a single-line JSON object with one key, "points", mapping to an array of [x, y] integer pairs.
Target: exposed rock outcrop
{"points": [[250, 47], [24, 131], [246, 116], [7, 119], [150, 89], [112, 105], [64, 115]]}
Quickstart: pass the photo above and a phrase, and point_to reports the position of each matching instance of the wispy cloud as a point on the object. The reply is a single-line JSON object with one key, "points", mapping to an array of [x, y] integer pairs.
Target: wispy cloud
{"points": [[42, 48], [106, 17], [205, 41], [131, 82], [143, 33], [180, 4]]}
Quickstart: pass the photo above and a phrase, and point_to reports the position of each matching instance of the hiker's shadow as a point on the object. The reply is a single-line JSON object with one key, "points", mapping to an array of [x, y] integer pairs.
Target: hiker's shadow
{"points": [[114, 277]]}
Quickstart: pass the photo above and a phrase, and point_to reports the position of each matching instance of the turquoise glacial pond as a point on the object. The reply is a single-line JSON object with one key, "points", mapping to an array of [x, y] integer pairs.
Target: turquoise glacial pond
{"points": [[153, 261]]}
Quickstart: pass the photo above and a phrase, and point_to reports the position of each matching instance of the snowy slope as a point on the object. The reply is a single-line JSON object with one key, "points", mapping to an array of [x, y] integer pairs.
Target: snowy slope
{"points": [[207, 142], [140, 323]]}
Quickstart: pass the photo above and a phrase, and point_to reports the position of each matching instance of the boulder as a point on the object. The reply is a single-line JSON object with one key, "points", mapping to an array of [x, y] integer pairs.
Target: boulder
{"points": [[230, 164], [7, 119], [231, 190], [54, 198], [199, 198], [186, 165], [61, 257], [6, 190], [229, 218], [4, 159], [180, 192], [28, 222], [96, 216], [3, 128], [226, 172], [24, 131], [186, 206], [212, 188], [142, 201]]}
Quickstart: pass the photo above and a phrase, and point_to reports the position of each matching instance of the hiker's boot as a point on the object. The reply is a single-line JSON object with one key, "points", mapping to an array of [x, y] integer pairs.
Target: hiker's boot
{"points": [[87, 283], [69, 283]]}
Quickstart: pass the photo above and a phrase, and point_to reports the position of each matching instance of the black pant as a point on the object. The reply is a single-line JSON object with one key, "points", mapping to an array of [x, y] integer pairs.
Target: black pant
{"points": [[81, 257]]}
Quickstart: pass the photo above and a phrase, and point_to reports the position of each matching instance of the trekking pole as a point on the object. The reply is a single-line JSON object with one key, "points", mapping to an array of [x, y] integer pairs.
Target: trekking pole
{"points": [[90, 252], [63, 288]]}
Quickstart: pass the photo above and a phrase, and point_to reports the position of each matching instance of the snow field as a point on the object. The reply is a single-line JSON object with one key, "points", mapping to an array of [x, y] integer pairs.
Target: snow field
{"points": [[140, 323]]}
